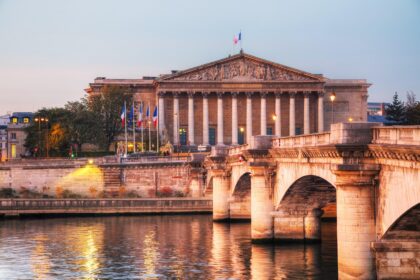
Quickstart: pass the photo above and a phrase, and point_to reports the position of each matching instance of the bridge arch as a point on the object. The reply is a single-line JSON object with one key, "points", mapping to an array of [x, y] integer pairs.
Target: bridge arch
{"points": [[240, 198], [298, 214], [289, 173], [406, 227]]}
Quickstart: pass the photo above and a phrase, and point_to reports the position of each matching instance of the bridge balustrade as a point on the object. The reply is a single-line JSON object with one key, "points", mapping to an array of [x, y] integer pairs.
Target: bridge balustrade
{"points": [[397, 135], [315, 139]]}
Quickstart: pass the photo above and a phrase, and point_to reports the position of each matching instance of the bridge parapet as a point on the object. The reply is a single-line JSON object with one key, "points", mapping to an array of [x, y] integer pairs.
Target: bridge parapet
{"points": [[237, 150], [397, 135], [316, 139], [341, 133]]}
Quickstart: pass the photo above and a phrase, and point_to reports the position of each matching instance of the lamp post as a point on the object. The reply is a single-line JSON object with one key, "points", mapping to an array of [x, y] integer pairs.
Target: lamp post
{"points": [[332, 98], [40, 120]]}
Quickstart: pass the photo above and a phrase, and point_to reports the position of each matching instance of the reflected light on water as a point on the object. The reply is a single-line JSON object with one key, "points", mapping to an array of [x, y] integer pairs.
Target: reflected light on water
{"points": [[155, 247], [40, 261], [150, 253], [86, 244]]}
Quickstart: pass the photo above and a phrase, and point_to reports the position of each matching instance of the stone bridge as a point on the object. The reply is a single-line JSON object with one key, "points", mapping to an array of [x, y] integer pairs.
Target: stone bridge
{"points": [[370, 173]]}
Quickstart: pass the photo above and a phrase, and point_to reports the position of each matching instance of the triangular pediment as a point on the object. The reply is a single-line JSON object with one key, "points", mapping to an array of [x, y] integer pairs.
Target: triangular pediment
{"points": [[240, 68]]}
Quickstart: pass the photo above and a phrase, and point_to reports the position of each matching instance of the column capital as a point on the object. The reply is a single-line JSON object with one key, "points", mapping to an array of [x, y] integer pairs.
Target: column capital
{"points": [[176, 94], [249, 94], [355, 174], [306, 93], [161, 93], [220, 94], [292, 94], [278, 94], [263, 94], [321, 93], [234, 93], [190, 94], [205, 94]]}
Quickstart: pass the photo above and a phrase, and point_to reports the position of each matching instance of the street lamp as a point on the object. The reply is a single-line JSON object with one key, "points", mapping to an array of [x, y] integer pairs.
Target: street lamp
{"points": [[332, 98], [40, 120], [274, 117]]}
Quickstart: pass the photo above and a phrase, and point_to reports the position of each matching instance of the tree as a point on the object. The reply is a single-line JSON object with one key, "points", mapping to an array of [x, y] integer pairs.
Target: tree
{"points": [[106, 108], [396, 110], [81, 124], [412, 110]]}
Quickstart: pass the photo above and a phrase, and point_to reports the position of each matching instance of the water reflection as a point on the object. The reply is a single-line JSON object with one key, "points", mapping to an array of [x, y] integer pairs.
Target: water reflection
{"points": [[154, 247]]}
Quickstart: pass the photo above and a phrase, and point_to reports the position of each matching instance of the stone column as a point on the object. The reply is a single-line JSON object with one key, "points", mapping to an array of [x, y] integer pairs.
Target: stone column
{"points": [[191, 118], [220, 119], [278, 115], [306, 124], [205, 119], [292, 116], [320, 112], [161, 120], [263, 111], [176, 118], [355, 220], [220, 195], [234, 118], [248, 117], [261, 205]]}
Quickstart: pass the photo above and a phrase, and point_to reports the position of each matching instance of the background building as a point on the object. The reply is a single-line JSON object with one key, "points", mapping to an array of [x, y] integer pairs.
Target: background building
{"points": [[227, 101], [15, 135]]}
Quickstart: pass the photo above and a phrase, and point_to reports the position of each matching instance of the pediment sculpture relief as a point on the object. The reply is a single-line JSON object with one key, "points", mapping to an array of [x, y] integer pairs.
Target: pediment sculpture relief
{"points": [[243, 70]]}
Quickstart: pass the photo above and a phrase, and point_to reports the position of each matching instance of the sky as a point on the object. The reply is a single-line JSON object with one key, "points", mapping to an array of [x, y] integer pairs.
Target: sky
{"points": [[51, 50]]}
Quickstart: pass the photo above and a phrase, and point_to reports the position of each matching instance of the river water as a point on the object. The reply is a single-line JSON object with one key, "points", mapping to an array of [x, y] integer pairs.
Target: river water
{"points": [[155, 247]]}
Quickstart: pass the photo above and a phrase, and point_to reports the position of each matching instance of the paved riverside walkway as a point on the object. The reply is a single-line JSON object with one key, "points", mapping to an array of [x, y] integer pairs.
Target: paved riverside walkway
{"points": [[16, 207]]}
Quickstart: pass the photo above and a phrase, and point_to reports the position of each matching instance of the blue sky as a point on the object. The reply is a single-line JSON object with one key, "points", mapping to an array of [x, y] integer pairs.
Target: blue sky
{"points": [[50, 50]]}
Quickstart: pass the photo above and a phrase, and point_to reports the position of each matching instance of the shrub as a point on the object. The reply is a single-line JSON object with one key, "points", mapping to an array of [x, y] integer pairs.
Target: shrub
{"points": [[179, 194], [70, 194], [8, 193], [165, 192]]}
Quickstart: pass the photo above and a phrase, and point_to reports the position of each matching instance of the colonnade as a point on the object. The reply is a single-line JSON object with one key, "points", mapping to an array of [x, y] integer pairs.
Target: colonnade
{"points": [[234, 96]]}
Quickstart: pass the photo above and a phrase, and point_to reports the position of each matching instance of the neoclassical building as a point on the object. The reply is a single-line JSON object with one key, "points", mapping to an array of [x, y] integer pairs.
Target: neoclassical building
{"points": [[229, 100]]}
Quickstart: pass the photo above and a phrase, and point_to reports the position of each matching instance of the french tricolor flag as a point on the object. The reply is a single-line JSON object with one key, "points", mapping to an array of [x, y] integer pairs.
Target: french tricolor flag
{"points": [[140, 118], [155, 116], [123, 114], [237, 38]]}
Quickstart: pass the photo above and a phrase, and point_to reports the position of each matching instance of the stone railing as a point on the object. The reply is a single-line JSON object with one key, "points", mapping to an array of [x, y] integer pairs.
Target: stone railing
{"points": [[397, 135], [317, 139], [237, 150], [105, 205], [156, 159]]}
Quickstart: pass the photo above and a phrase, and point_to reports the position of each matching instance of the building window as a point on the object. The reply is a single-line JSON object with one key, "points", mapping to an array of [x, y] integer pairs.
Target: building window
{"points": [[269, 131], [241, 136], [13, 136], [1, 145], [298, 131], [13, 150], [15, 120], [212, 136], [25, 120], [183, 136]]}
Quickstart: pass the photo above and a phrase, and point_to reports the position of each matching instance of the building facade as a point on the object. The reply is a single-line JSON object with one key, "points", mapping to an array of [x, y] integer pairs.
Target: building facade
{"points": [[13, 135], [227, 101]]}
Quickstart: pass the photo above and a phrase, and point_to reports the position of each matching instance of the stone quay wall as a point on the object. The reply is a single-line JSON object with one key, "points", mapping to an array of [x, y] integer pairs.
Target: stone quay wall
{"points": [[100, 178]]}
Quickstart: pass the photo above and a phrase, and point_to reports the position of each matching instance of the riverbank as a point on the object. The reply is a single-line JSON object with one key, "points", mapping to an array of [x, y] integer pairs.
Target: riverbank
{"points": [[105, 206]]}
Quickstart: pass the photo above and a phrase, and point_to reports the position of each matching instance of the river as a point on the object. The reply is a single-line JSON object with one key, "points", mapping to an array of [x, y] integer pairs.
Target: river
{"points": [[155, 247]]}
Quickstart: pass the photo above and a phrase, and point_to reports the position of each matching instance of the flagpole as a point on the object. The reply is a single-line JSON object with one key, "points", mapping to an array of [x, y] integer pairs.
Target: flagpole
{"points": [[141, 127], [157, 129], [125, 126], [148, 121], [134, 129]]}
